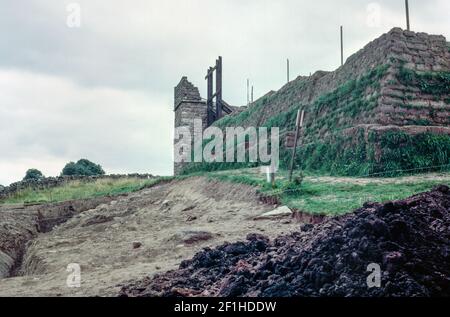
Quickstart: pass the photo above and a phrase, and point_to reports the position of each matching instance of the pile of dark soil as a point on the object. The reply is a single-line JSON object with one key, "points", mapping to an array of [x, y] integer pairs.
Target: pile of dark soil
{"points": [[408, 239]]}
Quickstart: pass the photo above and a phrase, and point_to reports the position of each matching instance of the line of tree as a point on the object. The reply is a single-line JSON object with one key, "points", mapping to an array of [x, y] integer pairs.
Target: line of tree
{"points": [[83, 167]]}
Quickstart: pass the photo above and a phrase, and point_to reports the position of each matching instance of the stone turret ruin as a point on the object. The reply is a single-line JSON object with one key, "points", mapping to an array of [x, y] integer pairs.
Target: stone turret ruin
{"points": [[188, 106]]}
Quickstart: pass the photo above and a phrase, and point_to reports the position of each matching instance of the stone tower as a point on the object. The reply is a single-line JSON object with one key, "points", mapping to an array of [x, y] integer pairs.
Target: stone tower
{"points": [[188, 106]]}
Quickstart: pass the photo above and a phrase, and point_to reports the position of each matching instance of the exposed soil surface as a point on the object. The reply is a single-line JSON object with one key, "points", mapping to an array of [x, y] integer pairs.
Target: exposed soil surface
{"points": [[19, 224], [408, 239], [125, 238]]}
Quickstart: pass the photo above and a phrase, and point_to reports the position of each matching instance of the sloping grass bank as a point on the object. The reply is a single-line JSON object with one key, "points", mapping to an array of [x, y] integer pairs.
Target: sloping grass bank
{"points": [[83, 190], [335, 195]]}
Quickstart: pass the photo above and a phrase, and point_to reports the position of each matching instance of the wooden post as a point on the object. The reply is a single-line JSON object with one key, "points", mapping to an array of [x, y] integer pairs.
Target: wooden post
{"points": [[298, 126], [219, 88], [342, 45], [407, 15], [248, 91], [288, 70], [252, 94], [209, 102]]}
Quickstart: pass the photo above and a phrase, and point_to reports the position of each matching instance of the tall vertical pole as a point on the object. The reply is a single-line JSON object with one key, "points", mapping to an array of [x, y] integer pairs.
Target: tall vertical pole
{"points": [[219, 88], [248, 91], [288, 80], [342, 45], [252, 94], [298, 126], [407, 15], [209, 103]]}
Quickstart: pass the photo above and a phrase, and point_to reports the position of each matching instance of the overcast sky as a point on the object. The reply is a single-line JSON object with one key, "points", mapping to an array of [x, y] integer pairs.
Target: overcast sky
{"points": [[104, 91]]}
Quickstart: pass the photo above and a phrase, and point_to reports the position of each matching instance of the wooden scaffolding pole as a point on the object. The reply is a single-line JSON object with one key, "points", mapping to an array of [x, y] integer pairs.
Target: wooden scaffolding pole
{"points": [[219, 88]]}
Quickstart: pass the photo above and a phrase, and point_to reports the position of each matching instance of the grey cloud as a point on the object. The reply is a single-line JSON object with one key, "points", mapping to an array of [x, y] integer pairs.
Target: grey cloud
{"points": [[109, 84]]}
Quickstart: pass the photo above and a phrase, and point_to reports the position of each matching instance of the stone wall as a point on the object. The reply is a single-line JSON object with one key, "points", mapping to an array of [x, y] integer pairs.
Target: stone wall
{"points": [[406, 103], [186, 91], [189, 106], [417, 51]]}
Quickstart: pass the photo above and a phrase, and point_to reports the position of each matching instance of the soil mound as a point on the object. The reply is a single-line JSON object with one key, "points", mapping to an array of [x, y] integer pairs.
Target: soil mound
{"points": [[408, 239]]}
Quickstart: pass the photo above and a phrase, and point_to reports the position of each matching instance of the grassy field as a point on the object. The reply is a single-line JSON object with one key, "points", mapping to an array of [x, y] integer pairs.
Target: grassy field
{"points": [[335, 195], [315, 194], [82, 190]]}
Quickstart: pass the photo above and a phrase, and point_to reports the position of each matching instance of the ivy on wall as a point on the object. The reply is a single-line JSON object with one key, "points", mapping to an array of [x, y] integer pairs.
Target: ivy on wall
{"points": [[432, 83], [399, 153]]}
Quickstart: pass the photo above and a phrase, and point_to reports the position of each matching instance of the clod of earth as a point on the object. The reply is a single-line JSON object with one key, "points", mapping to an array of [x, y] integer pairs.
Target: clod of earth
{"points": [[191, 218], [408, 239], [191, 237]]}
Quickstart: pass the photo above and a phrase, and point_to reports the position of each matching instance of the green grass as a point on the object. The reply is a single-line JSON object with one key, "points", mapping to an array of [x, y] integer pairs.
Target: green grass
{"points": [[337, 199], [334, 196], [315, 195], [399, 154], [82, 190], [433, 83]]}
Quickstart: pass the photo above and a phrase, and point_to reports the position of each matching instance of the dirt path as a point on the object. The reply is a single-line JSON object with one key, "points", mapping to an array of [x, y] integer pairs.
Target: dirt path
{"points": [[138, 235]]}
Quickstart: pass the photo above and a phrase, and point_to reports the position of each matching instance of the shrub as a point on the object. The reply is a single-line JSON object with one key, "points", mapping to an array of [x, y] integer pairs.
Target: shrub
{"points": [[82, 168], [33, 174]]}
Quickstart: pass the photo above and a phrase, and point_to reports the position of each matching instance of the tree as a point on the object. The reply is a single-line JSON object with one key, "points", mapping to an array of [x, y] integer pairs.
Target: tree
{"points": [[33, 174], [82, 168]]}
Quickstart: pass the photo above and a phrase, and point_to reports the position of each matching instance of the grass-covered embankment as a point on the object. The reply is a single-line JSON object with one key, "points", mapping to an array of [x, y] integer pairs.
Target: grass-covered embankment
{"points": [[335, 195], [74, 190]]}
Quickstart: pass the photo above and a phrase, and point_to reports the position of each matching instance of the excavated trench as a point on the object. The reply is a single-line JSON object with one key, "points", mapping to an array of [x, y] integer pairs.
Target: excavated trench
{"points": [[118, 239], [19, 225]]}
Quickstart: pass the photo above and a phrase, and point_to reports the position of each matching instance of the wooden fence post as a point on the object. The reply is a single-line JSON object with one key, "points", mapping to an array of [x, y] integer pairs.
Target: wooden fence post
{"points": [[298, 126]]}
